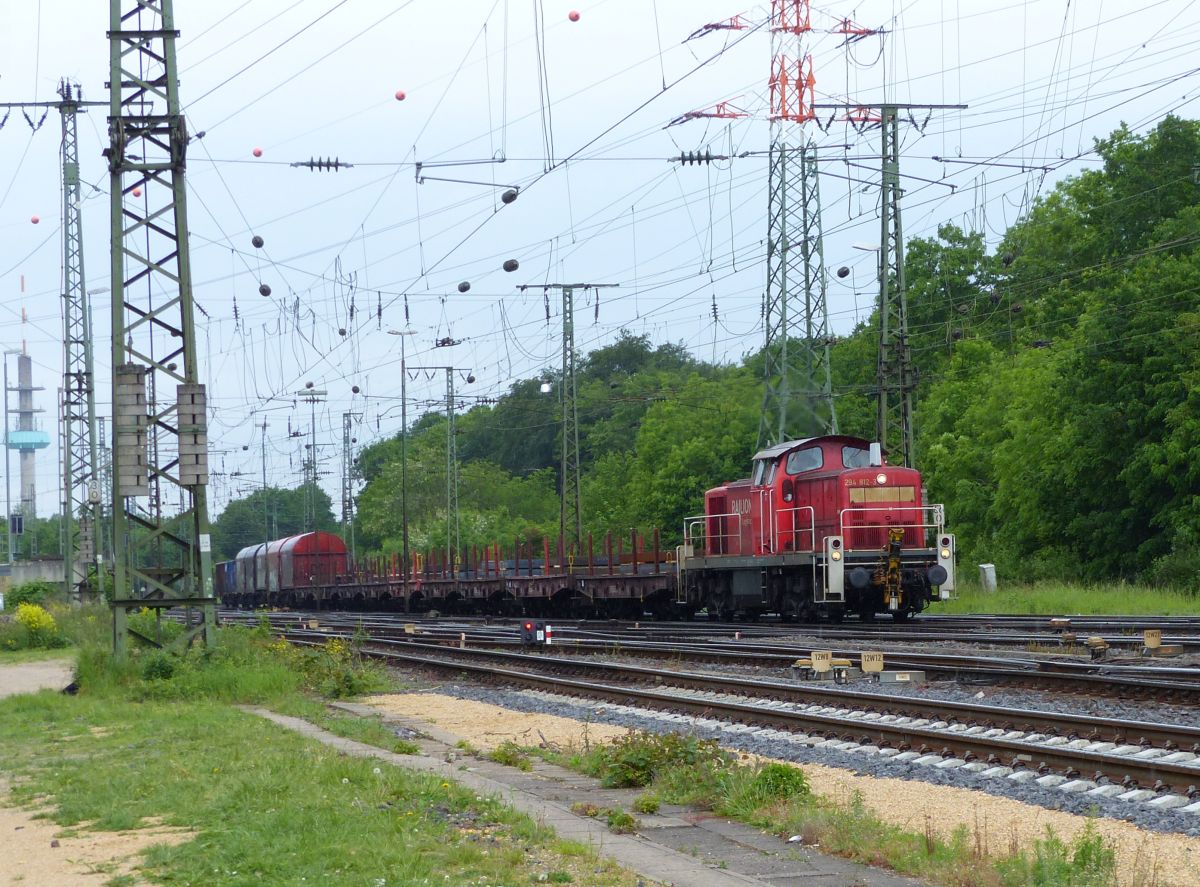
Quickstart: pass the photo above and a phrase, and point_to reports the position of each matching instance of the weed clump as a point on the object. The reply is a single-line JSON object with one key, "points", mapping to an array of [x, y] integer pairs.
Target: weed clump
{"points": [[510, 754], [636, 759], [1086, 862], [647, 804], [620, 821]]}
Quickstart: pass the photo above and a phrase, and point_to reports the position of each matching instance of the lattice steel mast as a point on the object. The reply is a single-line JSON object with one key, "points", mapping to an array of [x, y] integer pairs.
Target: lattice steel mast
{"points": [[797, 395], [570, 515], [895, 378], [453, 538], [894, 373], [160, 447], [81, 488]]}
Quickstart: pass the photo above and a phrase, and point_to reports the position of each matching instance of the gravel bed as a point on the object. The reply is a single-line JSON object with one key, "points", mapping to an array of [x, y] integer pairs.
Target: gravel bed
{"points": [[948, 691], [1138, 814]]}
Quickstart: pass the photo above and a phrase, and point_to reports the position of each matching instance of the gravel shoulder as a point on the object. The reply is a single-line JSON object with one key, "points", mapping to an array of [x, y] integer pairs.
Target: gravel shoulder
{"points": [[997, 823]]}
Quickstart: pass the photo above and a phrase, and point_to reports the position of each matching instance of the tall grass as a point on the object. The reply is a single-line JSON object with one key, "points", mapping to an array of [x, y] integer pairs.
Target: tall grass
{"points": [[1064, 599]]}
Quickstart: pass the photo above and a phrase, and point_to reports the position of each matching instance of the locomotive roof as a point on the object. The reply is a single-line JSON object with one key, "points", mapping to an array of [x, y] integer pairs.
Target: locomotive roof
{"points": [[787, 445]]}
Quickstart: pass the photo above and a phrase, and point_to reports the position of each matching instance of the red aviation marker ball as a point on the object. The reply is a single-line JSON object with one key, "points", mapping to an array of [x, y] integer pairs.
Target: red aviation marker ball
{"points": [[573, 15], [137, 192], [401, 95], [257, 152], [35, 219]]}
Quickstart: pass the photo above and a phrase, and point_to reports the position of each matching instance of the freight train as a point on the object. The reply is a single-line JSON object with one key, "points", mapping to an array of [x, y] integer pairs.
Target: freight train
{"points": [[821, 528]]}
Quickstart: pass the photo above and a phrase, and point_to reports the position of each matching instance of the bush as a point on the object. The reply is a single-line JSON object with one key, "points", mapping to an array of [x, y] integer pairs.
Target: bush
{"points": [[36, 591], [1179, 569], [39, 628], [159, 666], [776, 782]]}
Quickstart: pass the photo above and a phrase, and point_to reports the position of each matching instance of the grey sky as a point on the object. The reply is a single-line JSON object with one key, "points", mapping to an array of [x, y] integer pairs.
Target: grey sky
{"points": [[1042, 79]]}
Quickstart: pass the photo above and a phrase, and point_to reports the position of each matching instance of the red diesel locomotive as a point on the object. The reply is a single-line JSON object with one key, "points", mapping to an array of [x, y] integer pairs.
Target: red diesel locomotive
{"points": [[822, 527]]}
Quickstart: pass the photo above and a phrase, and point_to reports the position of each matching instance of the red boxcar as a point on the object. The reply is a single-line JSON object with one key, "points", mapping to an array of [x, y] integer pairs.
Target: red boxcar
{"points": [[271, 571]]}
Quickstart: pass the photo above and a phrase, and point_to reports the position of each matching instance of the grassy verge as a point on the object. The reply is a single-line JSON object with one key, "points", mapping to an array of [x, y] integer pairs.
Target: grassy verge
{"points": [[677, 769], [1059, 599], [155, 739]]}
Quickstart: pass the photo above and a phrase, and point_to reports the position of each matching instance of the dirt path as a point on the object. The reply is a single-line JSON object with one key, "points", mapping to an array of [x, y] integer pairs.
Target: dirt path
{"points": [[997, 825], [38, 853], [29, 677]]}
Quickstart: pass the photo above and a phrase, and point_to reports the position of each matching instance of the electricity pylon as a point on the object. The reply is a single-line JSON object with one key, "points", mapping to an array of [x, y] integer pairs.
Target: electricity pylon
{"points": [[798, 390], [160, 447]]}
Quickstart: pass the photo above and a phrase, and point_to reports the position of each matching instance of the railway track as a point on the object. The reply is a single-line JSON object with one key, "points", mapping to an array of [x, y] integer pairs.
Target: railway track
{"points": [[1141, 761], [1020, 631], [1131, 681]]}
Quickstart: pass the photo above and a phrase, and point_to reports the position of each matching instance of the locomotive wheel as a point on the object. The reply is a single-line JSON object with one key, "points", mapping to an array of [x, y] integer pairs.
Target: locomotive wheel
{"points": [[719, 610], [792, 608], [901, 615]]}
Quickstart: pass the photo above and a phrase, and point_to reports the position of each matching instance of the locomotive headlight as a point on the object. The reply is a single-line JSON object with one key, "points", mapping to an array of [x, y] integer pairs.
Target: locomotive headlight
{"points": [[881, 478]]}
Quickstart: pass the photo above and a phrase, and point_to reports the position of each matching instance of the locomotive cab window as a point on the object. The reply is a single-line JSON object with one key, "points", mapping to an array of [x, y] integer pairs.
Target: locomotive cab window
{"points": [[856, 457], [760, 468], [805, 460]]}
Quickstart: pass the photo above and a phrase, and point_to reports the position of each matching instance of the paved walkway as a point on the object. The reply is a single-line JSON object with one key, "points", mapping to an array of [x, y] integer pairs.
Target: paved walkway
{"points": [[676, 846], [39, 674]]}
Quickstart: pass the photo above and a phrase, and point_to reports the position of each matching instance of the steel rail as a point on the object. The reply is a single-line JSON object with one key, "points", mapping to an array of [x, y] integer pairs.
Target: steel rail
{"points": [[1145, 733]]}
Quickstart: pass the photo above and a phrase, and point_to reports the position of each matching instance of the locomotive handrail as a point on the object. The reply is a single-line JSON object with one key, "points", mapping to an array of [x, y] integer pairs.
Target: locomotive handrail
{"points": [[689, 533], [935, 520], [811, 529]]}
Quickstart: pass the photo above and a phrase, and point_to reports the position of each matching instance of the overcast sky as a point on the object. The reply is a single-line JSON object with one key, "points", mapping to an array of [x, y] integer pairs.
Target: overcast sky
{"points": [[589, 149]]}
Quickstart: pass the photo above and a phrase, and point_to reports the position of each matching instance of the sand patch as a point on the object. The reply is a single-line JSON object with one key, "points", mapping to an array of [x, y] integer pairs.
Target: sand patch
{"points": [[998, 825], [487, 726], [81, 859]]}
